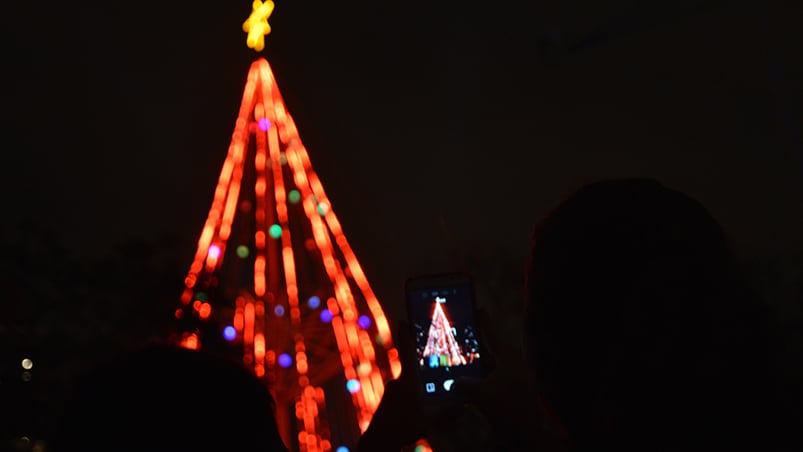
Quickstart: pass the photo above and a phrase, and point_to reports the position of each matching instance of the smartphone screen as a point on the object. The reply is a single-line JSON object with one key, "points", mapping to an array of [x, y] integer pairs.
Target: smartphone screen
{"points": [[441, 311]]}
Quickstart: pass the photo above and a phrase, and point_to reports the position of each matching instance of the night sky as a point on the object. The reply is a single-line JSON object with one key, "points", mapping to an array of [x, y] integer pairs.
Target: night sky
{"points": [[434, 126]]}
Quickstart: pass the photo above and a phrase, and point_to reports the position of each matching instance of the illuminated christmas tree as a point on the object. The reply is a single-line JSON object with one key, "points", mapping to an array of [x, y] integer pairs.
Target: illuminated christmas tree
{"points": [[442, 349], [275, 280]]}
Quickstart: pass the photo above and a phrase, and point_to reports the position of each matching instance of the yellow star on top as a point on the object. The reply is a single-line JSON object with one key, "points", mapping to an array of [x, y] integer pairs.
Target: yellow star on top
{"points": [[257, 24]]}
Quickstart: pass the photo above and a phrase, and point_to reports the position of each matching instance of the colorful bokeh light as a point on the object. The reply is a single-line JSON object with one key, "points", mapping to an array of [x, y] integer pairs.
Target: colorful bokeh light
{"points": [[229, 333], [326, 315], [353, 386], [275, 231], [243, 251], [278, 310], [364, 369], [364, 321], [314, 302], [264, 124], [214, 251], [294, 196], [285, 360]]}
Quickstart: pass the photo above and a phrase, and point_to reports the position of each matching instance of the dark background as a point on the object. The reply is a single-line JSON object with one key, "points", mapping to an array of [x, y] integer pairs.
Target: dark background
{"points": [[441, 131]]}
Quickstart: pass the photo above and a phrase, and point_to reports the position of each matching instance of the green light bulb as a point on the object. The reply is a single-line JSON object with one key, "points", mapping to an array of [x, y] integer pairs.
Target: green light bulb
{"points": [[294, 196]]}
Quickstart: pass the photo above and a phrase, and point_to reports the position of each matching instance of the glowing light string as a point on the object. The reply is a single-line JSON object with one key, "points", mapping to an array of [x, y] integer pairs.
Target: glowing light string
{"points": [[283, 349], [286, 351]]}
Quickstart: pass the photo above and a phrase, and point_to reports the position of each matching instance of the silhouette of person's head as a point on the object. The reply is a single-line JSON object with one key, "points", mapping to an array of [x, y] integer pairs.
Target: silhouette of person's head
{"points": [[164, 398], [639, 331]]}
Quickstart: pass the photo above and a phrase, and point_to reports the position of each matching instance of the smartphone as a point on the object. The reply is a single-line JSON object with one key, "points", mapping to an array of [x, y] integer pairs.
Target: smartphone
{"points": [[441, 311]]}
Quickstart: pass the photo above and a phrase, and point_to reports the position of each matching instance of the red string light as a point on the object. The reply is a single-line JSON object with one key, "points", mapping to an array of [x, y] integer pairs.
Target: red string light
{"points": [[290, 218]]}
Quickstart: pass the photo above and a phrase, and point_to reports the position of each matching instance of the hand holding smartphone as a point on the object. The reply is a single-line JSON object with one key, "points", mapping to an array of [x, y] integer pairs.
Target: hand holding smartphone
{"points": [[442, 315], [439, 344]]}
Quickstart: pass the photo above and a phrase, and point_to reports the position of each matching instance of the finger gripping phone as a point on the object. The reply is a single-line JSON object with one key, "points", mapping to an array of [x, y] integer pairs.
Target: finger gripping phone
{"points": [[441, 311]]}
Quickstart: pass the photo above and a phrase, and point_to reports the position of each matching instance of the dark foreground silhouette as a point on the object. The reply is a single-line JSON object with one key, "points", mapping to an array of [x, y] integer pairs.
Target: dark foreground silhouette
{"points": [[639, 334], [162, 398]]}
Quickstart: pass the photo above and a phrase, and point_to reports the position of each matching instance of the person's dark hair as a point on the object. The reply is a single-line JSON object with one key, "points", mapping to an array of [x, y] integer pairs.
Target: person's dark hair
{"points": [[638, 326], [165, 398]]}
